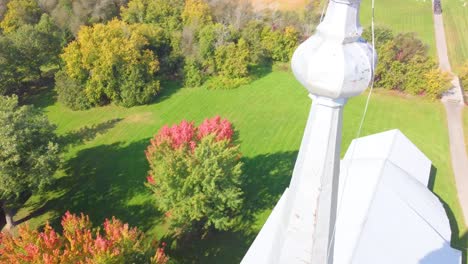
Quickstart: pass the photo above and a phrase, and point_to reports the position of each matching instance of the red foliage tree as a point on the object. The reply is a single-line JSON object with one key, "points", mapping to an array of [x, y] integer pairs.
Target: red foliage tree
{"points": [[116, 243], [195, 175], [186, 134]]}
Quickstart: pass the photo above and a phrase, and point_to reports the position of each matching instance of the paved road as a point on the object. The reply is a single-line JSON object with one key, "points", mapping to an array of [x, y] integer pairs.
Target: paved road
{"points": [[453, 101]]}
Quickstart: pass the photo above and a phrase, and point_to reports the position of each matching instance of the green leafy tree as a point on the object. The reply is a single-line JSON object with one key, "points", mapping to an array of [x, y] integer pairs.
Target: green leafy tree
{"points": [[167, 15], [37, 45], [252, 33], [193, 76], [382, 36], [196, 13], [164, 13], [195, 175], [115, 62], [29, 154], [280, 44], [232, 60], [437, 82], [413, 81], [11, 73], [464, 76], [19, 13], [25, 51], [408, 45], [70, 92]]}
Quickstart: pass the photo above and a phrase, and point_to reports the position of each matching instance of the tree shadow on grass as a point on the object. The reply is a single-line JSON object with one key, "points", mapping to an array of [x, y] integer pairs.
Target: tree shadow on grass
{"points": [[459, 241], [108, 180], [266, 178], [44, 97], [168, 89], [102, 182], [261, 70], [87, 133]]}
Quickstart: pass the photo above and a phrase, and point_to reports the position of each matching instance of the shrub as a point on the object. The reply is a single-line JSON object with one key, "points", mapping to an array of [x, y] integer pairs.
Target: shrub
{"points": [[232, 60], [195, 175], [437, 82], [79, 243], [70, 92], [193, 76], [464, 76]]}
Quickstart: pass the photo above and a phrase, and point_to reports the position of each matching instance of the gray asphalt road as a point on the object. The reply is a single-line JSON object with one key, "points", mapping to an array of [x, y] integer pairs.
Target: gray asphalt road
{"points": [[453, 102]]}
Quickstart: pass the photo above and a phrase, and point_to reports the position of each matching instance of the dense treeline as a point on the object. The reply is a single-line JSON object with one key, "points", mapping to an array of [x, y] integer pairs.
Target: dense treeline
{"points": [[116, 51], [190, 40]]}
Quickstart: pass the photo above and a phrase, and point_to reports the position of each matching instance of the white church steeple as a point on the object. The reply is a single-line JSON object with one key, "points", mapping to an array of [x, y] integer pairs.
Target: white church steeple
{"points": [[334, 65]]}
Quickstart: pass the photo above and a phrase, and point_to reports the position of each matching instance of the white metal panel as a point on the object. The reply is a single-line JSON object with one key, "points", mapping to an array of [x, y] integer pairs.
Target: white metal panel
{"points": [[397, 232], [361, 179], [263, 247], [409, 158]]}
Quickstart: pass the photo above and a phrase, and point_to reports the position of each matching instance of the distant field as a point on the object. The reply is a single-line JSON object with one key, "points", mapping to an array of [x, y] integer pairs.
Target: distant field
{"points": [[456, 28], [399, 15], [105, 167], [403, 16]]}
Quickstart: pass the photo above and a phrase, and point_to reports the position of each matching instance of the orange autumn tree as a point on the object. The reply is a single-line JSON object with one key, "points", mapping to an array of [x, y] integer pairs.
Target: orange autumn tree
{"points": [[79, 243]]}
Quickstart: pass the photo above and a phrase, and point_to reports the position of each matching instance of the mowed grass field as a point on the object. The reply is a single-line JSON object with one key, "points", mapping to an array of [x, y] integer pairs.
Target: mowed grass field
{"points": [[455, 14], [105, 168], [402, 16]]}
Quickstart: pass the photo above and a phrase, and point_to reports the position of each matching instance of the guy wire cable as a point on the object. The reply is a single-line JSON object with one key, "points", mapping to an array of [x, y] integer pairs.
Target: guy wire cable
{"points": [[366, 108]]}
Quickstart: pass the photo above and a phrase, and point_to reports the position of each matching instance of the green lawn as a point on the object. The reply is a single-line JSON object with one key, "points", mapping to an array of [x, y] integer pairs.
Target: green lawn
{"points": [[456, 23], [105, 168], [403, 16]]}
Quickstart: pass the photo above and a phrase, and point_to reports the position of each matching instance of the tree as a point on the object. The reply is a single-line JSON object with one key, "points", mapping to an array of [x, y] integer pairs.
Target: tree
{"points": [[193, 76], [437, 82], [234, 12], [115, 62], [164, 13], [29, 154], [252, 33], [25, 51], [280, 44], [382, 35], [19, 13], [195, 175], [70, 92], [232, 60], [3, 4], [70, 15], [464, 76], [37, 45], [408, 45], [79, 243], [196, 13], [10, 72]]}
